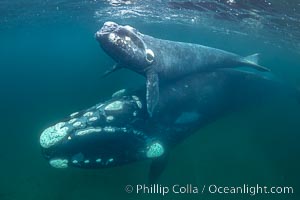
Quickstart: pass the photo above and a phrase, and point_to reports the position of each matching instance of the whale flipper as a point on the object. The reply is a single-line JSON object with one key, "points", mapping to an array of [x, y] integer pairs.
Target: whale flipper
{"points": [[113, 69], [252, 61], [157, 167], [152, 94]]}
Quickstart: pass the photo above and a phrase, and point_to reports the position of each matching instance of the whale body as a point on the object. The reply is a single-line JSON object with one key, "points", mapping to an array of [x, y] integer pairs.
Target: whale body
{"points": [[163, 60], [119, 131]]}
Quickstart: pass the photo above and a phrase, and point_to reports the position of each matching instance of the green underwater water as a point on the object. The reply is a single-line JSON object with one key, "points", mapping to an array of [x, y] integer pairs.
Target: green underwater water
{"points": [[51, 69]]}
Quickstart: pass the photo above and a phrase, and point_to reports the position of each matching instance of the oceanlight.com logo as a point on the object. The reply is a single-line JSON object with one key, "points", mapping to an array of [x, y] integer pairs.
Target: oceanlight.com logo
{"points": [[207, 189], [251, 190]]}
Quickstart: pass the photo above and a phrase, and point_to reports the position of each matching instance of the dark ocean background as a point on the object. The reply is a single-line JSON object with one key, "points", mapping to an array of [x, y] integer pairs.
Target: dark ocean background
{"points": [[51, 66]]}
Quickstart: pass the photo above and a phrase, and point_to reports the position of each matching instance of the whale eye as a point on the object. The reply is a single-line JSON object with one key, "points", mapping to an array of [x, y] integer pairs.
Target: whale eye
{"points": [[149, 56]]}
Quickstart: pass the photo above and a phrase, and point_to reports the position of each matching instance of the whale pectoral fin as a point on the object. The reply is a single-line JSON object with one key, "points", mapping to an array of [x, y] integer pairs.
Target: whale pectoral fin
{"points": [[113, 69], [152, 95], [157, 167]]}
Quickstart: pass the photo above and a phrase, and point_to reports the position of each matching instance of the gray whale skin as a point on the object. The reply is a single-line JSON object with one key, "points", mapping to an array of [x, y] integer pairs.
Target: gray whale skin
{"points": [[119, 131], [163, 60]]}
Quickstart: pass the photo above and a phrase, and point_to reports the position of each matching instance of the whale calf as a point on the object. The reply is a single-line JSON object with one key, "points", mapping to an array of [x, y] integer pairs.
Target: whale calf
{"points": [[119, 131], [163, 60]]}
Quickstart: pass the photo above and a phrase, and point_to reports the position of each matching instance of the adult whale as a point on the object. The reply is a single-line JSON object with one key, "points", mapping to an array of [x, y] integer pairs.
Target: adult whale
{"points": [[119, 131], [163, 60]]}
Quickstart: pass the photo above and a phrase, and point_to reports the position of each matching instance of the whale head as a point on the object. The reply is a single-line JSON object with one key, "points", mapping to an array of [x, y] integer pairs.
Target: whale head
{"points": [[103, 136], [125, 45]]}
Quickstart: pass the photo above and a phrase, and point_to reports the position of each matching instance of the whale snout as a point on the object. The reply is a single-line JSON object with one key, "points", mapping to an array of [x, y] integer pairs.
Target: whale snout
{"points": [[107, 28], [125, 45], [102, 136]]}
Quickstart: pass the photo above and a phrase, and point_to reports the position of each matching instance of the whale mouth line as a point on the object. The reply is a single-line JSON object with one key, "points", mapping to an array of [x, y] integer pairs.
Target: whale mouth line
{"points": [[95, 144], [55, 136], [102, 136]]}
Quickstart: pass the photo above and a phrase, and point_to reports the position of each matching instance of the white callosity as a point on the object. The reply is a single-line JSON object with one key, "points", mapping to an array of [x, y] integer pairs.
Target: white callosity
{"points": [[74, 114], [109, 118], [110, 160], [127, 38], [155, 150], [138, 102], [88, 114], [116, 105], [137, 132], [88, 131], [71, 121], [98, 160], [92, 119], [134, 113], [77, 124], [59, 163], [117, 40], [53, 134], [119, 93], [149, 55], [99, 106], [75, 161], [113, 37], [109, 129]]}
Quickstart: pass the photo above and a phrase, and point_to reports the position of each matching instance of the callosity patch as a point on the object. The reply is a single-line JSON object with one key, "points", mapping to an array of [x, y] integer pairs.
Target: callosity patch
{"points": [[53, 135], [59, 163], [155, 150]]}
